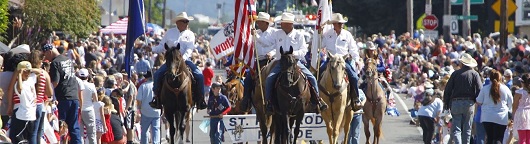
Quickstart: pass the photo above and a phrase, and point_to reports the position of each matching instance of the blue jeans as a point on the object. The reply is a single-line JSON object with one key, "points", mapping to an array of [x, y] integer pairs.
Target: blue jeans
{"points": [[355, 129], [271, 79], [248, 83], [22, 127], [462, 112], [480, 133], [69, 112], [154, 124], [216, 130], [352, 75], [38, 124], [197, 74]]}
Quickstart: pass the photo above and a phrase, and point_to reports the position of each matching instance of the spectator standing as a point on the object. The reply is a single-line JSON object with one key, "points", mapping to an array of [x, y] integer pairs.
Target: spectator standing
{"points": [[62, 75], [495, 101], [208, 77], [43, 89], [11, 61], [88, 116], [521, 110], [508, 78], [218, 106], [25, 108], [460, 94], [355, 124], [150, 117], [142, 66]]}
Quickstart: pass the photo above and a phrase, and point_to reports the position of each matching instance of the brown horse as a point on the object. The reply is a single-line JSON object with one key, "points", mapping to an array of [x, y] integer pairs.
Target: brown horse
{"points": [[375, 107], [291, 100], [176, 92], [334, 90], [234, 93], [258, 100]]}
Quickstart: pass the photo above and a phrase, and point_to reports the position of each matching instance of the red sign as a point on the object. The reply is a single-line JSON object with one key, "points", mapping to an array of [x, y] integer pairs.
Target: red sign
{"points": [[430, 22]]}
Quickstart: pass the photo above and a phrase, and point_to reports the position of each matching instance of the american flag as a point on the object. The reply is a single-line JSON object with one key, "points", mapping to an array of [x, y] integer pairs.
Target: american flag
{"points": [[244, 13]]}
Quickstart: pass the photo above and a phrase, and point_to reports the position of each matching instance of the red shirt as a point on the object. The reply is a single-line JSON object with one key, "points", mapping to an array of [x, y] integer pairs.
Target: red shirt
{"points": [[208, 76]]}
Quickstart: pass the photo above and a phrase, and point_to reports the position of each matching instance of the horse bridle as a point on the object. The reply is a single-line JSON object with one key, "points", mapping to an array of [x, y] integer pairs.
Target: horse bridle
{"points": [[336, 93]]}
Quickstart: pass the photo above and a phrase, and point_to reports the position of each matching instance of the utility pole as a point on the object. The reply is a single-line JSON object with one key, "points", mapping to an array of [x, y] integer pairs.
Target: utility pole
{"points": [[447, 28], [503, 27], [164, 15], [466, 28], [110, 12], [410, 23]]}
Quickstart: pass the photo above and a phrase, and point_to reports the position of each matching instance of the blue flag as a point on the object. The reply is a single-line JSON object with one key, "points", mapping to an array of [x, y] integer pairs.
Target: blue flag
{"points": [[135, 28]]}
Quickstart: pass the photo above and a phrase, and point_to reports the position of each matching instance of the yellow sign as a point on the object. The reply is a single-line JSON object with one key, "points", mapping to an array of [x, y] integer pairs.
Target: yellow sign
{"points": [[510, 25], [509, 11], [419, 23]]}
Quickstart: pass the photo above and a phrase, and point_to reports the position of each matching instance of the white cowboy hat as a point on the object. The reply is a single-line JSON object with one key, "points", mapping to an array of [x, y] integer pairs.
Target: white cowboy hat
{"points": [[182, 16], [263, 16], [287, 18], [337, 18], [371, 46], [467, 60], [469, 45]]}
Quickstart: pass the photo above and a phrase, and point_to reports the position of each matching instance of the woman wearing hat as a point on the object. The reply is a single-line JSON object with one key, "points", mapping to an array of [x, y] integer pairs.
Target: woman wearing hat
{"points": [[371, 52], [186, 38], [25, 108]]}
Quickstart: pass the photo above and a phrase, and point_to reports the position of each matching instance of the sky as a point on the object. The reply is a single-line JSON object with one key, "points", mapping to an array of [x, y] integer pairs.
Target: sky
{"points": [[205, 7]]}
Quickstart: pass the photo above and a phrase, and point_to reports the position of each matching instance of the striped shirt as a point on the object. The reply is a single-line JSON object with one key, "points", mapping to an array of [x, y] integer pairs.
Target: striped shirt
{"points": [[41, 89]]}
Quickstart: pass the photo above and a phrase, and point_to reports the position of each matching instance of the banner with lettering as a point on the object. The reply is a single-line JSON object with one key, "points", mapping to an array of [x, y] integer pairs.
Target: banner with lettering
{"points": [[222, 43], [244, 128]]}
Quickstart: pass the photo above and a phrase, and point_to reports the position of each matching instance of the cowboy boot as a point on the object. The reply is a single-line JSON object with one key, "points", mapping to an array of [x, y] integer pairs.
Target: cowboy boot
{"points": [[245, 104], [268, 108], [320, 103]]}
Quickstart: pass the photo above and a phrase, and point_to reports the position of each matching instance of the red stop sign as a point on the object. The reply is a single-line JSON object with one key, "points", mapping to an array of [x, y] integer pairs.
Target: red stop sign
{"points": [[430, 22]]}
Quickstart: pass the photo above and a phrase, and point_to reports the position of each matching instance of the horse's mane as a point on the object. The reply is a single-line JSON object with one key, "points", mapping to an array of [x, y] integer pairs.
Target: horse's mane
{"points": [[174, 59]]}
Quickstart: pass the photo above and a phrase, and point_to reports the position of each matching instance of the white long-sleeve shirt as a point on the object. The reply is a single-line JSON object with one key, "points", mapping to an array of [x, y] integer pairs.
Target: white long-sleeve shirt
{"points": [[173, 37], [265, 43], [295, 39], [341, 44]]}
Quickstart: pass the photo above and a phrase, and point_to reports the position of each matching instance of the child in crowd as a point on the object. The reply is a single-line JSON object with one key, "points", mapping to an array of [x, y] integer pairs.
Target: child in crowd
{"points": [[63, 132], [414, 114], [108, 136], [101, 128]]}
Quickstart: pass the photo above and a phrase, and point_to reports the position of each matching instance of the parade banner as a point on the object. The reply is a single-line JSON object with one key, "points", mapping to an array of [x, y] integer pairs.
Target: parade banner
{"points": [[244, 128], [221, 45]]}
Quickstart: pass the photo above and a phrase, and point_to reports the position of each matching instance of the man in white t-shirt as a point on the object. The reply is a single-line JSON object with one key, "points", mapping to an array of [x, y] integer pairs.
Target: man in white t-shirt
{"points": [[88, 117]]}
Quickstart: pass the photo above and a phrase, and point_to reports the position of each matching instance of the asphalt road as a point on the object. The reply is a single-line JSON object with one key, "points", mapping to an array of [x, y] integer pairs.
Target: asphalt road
{"points": [[396, 130]]}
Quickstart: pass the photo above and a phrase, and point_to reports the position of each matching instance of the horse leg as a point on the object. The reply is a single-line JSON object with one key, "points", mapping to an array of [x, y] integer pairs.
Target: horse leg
{"points": [[338, 116], [348, 115], [262, 126], [171, 120], [299, 119], [377, 130], [181, 117], [366, 122]]}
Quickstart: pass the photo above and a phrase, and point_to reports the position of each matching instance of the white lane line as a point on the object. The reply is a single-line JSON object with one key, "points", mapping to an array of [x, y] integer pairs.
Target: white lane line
{"points": [[408, 113]]}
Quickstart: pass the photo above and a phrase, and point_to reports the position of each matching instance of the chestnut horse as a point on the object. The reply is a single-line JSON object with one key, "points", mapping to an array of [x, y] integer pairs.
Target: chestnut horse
{"points": [[375, 107]]}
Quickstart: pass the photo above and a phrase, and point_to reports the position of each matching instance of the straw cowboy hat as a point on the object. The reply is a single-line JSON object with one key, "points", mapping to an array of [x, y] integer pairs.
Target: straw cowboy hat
{"points": [[263, 16], [371, 46], [469, 45], [337, 18], [287, 18], [182, 16], [467, 60]]}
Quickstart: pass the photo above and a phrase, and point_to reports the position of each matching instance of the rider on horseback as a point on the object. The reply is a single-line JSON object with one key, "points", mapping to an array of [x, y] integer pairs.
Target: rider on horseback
{"points": [[289, 37], [265, 47], [186, 38], [340, 42]]}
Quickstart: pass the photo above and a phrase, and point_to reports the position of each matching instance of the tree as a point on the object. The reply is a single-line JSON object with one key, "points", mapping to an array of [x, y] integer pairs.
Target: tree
{"points": [[156, 10], [75, 17], [4, 19]]}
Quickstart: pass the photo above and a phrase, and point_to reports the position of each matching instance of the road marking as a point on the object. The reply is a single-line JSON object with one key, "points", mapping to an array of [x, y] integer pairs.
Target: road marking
{"points": [[408, 113]]}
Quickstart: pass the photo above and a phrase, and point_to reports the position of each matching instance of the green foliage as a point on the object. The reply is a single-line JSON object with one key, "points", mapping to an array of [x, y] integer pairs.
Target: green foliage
{"points": [[76, 17], [156, 10], [4, 19]]}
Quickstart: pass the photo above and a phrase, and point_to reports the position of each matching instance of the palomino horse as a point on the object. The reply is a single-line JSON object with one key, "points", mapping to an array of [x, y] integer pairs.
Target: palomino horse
{"points": [[234, 93], [176, 93], [375, 107], [334, 90], [292, 98]]}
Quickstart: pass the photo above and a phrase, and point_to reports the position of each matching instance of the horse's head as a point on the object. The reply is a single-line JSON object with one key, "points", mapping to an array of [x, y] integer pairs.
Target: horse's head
{"points": [[371, 68], [174, 59], [335, 69], [233, 93], [288, 60]]}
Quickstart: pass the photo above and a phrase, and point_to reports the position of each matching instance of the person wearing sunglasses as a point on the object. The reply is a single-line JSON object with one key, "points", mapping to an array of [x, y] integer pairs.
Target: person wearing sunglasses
{"points": [[186, 38]]}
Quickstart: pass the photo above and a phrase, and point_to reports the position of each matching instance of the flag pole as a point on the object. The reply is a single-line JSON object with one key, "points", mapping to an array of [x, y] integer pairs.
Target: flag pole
{"points": [[257, 61], [318, 51]]}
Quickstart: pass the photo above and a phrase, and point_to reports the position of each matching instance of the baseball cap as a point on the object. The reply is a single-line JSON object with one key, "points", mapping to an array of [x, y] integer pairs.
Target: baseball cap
{"points": [[216, 84], [508, 72], [83, 73], [24, 65]]}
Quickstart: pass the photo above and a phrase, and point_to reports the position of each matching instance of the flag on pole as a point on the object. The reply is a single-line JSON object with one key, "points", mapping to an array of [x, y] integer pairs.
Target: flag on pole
{"points": [[324, 14], [135, 28], [244, 47]]}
